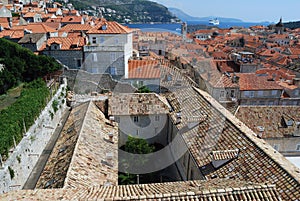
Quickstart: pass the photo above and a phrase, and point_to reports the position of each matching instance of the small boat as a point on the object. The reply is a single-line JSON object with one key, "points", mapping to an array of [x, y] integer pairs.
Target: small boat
{"points": [[178, 29], [214, 21]]}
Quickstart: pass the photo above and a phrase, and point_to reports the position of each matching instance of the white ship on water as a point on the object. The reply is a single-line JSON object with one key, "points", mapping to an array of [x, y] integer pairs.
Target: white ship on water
{"points": [[214, 21]]}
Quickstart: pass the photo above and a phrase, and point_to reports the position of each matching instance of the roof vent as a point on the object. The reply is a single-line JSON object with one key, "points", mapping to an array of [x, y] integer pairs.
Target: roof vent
{"points": [[107, 183], [110, 136], [178, 117], [260, 128], [109, 157]]}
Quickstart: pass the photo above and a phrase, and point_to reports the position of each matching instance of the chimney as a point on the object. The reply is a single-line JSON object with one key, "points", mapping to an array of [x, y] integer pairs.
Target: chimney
{"points": [[110, 136], [235, 78], [109, 157], [296, 81]]}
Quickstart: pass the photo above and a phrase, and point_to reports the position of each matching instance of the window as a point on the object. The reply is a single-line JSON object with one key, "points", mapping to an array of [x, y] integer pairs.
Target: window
{"points": [[260, 93], [274, 92], [297, 92], [232, 94], [222, 94], [116, 41], [102, 40], [156, 117], [276, 147], [247, 93], [298, 147], [113, 56], [78, 63], [135, 119], [94, 40], [113, 70], [95, 57]]}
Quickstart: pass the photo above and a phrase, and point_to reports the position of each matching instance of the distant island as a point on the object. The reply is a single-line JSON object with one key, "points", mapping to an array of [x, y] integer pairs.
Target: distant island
{"points": [[185, 17]]}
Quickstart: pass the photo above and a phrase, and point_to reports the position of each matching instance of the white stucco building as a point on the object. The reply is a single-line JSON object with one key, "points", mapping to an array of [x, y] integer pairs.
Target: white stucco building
{"points": [[109, 49]]}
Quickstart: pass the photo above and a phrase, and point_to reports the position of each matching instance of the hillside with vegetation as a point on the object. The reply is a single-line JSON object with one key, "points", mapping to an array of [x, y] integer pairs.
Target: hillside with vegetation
{"points": [[21, 67], [18, 64], [123, 11], [23, 112], [292, 25]]}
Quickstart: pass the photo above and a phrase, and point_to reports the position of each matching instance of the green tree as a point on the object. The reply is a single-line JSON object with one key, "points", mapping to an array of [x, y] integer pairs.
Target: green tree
{"points": [[138, 146], [22, 65], [143, 89], [135, 146]]}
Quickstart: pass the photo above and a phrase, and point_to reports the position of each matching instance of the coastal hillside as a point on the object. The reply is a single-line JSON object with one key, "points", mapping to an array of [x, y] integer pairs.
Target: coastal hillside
{"points": [[292, 25], [128, 11]]}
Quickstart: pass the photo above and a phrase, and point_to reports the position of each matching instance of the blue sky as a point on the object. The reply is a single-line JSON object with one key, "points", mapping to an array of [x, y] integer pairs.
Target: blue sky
{"points": [[246, 10]]}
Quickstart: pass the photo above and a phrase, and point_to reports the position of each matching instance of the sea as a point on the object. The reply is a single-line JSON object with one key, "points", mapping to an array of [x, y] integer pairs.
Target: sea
{"points": [[176, 27]]}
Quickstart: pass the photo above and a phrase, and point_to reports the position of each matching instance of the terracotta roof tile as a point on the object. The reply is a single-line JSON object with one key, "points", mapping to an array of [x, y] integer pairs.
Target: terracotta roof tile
{"points": [[250, 81], [35, 28], [76, 27], [145, 69], [77, 42], [110, 28], [137, 103], [267, 120], [224, 190], [256, 161], [90, 157], [72, 19]]}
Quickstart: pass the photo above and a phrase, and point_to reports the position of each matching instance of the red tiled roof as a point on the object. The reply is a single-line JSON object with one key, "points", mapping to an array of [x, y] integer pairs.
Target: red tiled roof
{"points": [[294, 50], [111, 28], [68, 19], [17, 34], [250, 82], [146, 69], [67, 42], [54, 20], [4, 23], [52, 10], [277, 74], [54, 25], [219, 55], [29, 14], [76, 27], [36, 28], [46, 16], [269, 118], [226, 66]]}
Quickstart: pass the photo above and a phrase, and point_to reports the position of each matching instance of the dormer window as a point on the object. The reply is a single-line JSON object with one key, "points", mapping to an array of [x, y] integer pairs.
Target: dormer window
{"points": [[55, 46], [104, 27]]}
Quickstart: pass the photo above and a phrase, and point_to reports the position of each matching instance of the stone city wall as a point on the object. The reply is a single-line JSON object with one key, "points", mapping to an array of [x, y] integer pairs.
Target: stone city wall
{"points": [[25, 155]]}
